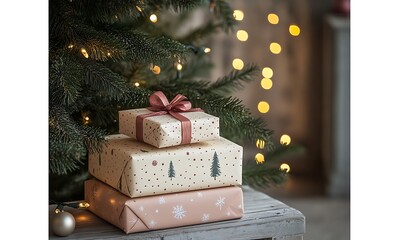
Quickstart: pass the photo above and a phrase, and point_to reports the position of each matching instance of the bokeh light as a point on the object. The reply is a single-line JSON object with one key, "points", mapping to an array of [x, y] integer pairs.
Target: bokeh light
{"points": [[242, 35], [273, 18], [263, 106], [266, 83], [237, 64], [275, 48]]}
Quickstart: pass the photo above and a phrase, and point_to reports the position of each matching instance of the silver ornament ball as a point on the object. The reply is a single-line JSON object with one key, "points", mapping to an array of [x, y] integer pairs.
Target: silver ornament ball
{"points": [[63, 224]]}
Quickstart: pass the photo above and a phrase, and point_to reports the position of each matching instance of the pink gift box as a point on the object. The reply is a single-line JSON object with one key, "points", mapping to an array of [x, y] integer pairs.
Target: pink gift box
{"points": [[163, 211], [137, 169]]}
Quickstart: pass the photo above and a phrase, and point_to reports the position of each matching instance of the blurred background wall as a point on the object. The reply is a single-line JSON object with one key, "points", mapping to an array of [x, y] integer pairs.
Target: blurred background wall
{"points": [[309, 97]]}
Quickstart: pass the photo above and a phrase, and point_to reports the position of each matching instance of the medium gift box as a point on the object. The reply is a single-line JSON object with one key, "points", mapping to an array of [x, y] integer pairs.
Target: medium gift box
{"points": [[163, 211], [167, 124], [137, 169]]}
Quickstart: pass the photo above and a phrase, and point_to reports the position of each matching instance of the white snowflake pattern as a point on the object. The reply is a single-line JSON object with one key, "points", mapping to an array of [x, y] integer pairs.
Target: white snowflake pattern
{"points": [[161, 200], [141, 208], [178, 212], [199, 194], [156, 211], [220, 202], [228, 213], [205, 217], [152, 224]]}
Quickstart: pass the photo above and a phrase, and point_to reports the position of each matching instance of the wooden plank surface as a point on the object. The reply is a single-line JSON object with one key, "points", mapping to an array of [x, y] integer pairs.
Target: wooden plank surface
{"points": [[264, 217]]}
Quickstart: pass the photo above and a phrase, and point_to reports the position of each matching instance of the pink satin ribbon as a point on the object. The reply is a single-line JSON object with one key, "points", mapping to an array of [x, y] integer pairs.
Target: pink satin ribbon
{"points": [[161, 106]]}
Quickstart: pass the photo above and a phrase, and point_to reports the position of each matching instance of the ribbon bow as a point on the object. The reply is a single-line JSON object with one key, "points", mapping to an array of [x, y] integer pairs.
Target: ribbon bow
{"points": [[161, 106]]}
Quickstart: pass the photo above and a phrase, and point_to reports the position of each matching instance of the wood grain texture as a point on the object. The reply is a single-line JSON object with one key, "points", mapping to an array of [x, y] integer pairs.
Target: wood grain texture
{"points": [[264, 217]]}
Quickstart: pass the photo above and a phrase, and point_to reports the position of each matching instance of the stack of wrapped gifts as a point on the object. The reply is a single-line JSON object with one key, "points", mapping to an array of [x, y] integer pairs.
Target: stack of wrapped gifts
{"points": [[167, 168]]}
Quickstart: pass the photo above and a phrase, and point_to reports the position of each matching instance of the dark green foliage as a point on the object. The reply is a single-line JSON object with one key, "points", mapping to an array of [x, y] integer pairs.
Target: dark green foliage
{"points": [[98, 50]]}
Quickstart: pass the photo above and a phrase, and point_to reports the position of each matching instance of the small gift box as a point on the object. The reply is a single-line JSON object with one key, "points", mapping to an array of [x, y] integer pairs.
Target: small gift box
{"points": [[167, 124], [163, 211], [138, 169]]}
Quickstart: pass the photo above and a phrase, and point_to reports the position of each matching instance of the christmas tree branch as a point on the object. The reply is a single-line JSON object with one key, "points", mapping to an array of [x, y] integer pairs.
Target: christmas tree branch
{"points": [[234, 80], [224, 11]]}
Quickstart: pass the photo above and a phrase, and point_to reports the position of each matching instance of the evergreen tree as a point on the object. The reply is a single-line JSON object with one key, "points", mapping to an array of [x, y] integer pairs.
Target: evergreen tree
{"points": [[106, 56], [171, 171], [215, 167]]}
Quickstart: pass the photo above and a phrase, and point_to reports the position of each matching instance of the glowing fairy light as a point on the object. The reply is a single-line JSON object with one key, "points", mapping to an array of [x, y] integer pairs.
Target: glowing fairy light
{"points": [[263, 107], [139, 8], [84, 205], [136, 84], [242, 35], [266, 83], [238, 15], [294, 30], [237, 64], [285, 167], [260, 143], [153, 18], [285, 139], [156, 69], [179, 67], [259, 158], [267, 72], [84, 52], [70, 46], [275, 48], [273, 18], [207, 50]]}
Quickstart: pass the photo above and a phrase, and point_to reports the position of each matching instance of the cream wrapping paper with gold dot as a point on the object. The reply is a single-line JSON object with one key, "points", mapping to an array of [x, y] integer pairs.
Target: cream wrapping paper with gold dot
{"points": [[138, 169], [165, 131]]}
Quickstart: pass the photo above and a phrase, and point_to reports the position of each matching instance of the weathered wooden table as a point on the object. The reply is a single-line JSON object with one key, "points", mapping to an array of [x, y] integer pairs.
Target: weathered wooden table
{"points": [[264, 218]]}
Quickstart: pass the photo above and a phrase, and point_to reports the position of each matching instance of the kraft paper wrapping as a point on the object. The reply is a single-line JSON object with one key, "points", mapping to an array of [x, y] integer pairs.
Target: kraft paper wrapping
{"points": [[138, 169], [163, 211], [165, 131]]}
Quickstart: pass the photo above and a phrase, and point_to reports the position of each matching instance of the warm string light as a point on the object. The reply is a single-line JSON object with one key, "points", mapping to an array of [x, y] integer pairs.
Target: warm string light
{"points": [[153, 18], [267, 72], [294, 30], [260, 143], [179, 68], [70, 46], [263, 107], [285, 167], [207, 50], [259, 158], [136, 84], [275, 48], [266, 83], [139, 8], [237, 64], [242, 35], [238, 15], [285, 139], [155, 69], [84, 52], [273, 18], [60, 205]]}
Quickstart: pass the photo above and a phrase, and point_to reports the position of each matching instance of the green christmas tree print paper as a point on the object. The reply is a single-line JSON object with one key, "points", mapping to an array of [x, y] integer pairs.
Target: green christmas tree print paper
{"points": [[138, 169]]}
